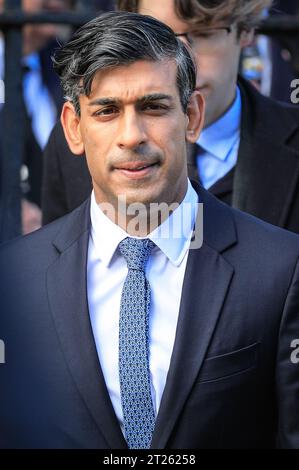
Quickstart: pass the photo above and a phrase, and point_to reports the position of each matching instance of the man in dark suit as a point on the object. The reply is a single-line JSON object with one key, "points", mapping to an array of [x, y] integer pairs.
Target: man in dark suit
{"points": [[207, 360], [258, 170]]}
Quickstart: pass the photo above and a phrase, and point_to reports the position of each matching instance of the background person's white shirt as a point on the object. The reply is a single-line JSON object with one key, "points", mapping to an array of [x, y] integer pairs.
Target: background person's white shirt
{"points": [[219, 144], [106, 273]]}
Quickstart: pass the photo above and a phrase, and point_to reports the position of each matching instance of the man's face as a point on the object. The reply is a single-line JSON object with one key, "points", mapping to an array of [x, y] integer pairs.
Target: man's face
{"points": [[217, 59], [133, 131]]}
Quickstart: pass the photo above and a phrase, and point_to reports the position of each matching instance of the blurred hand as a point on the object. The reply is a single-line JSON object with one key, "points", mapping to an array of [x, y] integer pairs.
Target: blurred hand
{"points": [[31, 216]]}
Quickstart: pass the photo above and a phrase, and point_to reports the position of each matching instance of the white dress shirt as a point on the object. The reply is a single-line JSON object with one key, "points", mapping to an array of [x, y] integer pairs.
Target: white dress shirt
{"points": [[106, 273], [220, 145]]}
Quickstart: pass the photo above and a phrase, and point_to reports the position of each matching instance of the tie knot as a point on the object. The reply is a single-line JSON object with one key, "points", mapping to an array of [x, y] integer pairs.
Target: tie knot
{"points": [[136, 252]]}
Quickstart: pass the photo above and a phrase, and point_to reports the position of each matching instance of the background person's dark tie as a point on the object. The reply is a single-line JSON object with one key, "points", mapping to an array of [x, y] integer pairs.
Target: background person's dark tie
{"points": [[134, 373]]}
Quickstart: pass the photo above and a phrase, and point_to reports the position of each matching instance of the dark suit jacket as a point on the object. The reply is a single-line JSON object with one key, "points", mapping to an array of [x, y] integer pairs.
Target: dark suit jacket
{"points": [[265, 182], [231, 382]]}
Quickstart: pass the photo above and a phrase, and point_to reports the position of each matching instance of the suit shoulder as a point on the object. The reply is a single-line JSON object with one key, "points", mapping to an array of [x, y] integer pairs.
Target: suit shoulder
{"points": [[288, 108], [40, 242], [274, 119], [260, 232], [267, 102], [278, 112], [35, 244]]}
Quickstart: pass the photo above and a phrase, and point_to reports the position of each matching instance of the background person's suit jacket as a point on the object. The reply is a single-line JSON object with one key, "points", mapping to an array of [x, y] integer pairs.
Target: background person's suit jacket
{"points": [[265, 182], [231, 383]]}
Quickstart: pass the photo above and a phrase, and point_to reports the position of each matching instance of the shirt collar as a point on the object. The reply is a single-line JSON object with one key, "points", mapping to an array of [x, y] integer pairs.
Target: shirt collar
{"points": [[219, 138], [172, 236]]}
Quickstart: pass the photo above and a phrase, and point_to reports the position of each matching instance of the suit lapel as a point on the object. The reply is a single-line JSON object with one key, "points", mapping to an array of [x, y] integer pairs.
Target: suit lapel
{"points": [[67, 291], [267, 171], [191, 162], [265, 187], [205, 286]]}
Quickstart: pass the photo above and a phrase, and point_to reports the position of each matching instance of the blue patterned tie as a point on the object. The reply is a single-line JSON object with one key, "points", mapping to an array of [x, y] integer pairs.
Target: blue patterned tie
{"points": [[134, 374]]}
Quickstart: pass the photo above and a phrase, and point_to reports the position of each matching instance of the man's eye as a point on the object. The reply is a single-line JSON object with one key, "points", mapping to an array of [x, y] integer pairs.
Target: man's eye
{"points": [[206, 35], [154, 107], [106, 111]]}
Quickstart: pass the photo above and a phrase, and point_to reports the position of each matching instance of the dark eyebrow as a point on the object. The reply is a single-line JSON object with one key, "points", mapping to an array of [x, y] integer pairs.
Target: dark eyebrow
{"points": [[141, 100], [104, 101], [154, 97]]}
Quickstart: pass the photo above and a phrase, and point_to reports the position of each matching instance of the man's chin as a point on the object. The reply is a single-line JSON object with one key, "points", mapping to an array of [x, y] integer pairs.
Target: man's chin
{"points": [[140, 197]]}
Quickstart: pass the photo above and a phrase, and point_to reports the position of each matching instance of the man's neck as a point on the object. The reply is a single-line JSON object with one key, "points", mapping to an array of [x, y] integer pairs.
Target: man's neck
{"points": [[221, 112]]}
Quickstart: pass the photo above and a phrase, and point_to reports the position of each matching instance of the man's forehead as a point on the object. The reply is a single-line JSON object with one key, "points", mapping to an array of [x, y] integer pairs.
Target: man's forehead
{"points": [[135, 80], [150, 97], [163, 11]]}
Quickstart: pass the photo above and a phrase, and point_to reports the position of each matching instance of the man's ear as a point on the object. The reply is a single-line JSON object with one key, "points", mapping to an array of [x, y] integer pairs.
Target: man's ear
{"points": [[71, 126], [195, 114]]}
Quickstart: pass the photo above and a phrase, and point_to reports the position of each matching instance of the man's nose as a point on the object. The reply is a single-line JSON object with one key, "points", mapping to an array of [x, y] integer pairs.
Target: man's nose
{"points": [[132, 130]]}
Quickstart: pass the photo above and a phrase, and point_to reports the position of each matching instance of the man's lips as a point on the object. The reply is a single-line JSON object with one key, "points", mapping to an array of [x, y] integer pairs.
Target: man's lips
{"points": [[137, 169], [134, 166]]}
